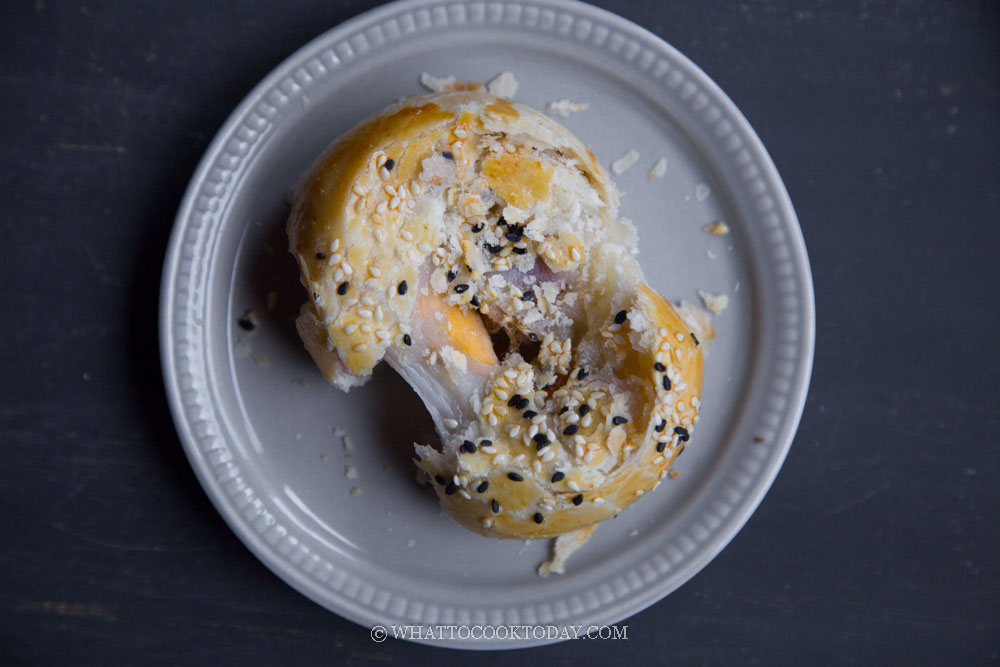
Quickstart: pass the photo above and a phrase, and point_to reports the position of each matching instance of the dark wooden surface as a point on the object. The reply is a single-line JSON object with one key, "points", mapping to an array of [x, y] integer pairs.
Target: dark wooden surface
{"points": [[879, 541]]}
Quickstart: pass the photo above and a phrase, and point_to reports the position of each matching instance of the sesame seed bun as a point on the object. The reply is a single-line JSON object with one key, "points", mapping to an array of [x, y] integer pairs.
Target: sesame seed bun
{"points": [[475, 245]]}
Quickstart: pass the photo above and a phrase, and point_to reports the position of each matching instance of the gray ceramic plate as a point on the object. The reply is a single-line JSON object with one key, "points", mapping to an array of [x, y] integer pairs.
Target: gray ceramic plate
{"points": [[349, 528]]}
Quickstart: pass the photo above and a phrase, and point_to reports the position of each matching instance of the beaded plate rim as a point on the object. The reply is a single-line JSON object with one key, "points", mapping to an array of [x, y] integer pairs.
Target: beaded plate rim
{"points": [[183, 301]]}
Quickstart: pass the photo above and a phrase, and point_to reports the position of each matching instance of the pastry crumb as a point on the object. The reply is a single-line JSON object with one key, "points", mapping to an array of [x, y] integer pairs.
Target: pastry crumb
{"points": [[248, 321], [674, 474], [717, 228], [348, 443], [562, 548], [502, 85], [625, 162], [702, 191], [324, 458], [659, 169], [714, 302], [272, 299], [356, 491], [563, 108], [709, 254], [302, 382], [436, 84], [350, 472]]}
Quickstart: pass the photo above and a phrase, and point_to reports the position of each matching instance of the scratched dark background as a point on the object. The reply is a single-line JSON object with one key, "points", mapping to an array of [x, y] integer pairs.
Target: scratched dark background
{"points": [[879, 540]]}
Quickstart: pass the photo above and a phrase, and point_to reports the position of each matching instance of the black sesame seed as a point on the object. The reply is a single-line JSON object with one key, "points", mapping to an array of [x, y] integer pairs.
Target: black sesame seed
{"points": [[538, 517], [695, 339], [493, 248], [666, 383], [514, 236], [342, 288], [459, 289], [452, 275], [478, 227], [522, 404], [582, 374], [450, 489], [495, 506], [533, 336], [680, 450], [662, 425], [482, 487], [469, 446], [577, 499], [584, 409], [520, 251], [558, 476], [618, 421], [620, 317], [660, 446], [321, 255], [515, 399], [502, 221], [407, 340], [389, 164], [528, 296], [402, 287], [485, 443], [541, 439], [529, 414], [571, 429], [447, 155], [565, 408], [474, 301], [513, 476], [683, 433], [315, 296], [439, 479], [246, 322], [659, 367]]}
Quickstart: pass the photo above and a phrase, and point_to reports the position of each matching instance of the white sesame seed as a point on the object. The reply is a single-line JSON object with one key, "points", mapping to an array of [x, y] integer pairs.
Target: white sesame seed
{"points": [[338, 275], [536, 465], [586, 420], [619, 340], [449, 423], [394, 202], [680, 337], [517, 459], [501, 394], [579, 439], [365, 328], [389, 190], [575, 255], [406, 235], [460, 133], [659, 357], [432, 359], [548, 455], [537, 419], [350, 328], [510, 373], [488, 449], [578, 450], [573, 486], [413, 255], [348, 269], [382, 334], [359, 347], [380, 208], [533, 431], [464, 494], [658, 460], [379, 236], [374, 271], [492, 420], [678, 354], [415, 188], [358, 190], [335, 246], [589, 457], [383, 173], [499, 459], [514, 430], [598, 500], [371, 282], [380, 159], [365, 313], [367, 300], [376, 218], [424, 248]]}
